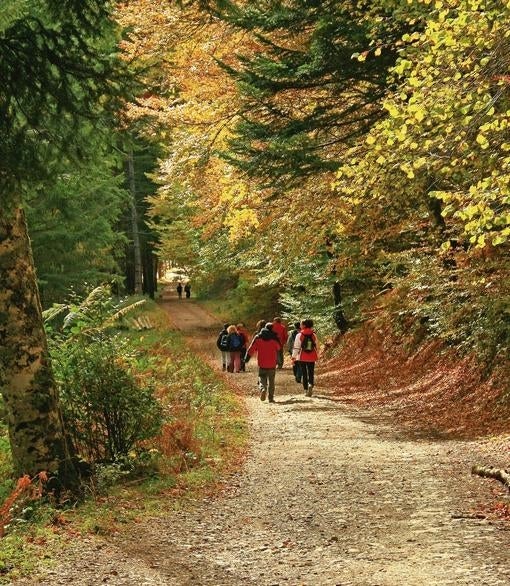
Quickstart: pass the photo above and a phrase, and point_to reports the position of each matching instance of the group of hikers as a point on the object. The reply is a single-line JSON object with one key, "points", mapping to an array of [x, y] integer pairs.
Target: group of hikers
{"points": [[269, 342]]}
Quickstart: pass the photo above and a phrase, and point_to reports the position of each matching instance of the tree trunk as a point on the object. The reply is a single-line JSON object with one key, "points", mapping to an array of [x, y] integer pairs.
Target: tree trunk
{"points": [[129, 273], [34, 420], [155, 265], [435, 210], [134, 225], [338, 312], [148, 272]]}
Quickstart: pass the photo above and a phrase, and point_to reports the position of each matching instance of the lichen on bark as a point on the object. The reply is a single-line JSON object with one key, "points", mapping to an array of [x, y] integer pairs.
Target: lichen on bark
{"points": [[26, 380]]}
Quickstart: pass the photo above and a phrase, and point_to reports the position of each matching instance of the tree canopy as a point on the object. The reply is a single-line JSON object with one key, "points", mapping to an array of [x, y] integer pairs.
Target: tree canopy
{"points": [[351, 156], [58, 66], [374, 133]]}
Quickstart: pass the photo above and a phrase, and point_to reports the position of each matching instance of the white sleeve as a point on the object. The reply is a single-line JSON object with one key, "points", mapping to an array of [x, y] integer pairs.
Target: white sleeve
{"points": [[296, 350]]}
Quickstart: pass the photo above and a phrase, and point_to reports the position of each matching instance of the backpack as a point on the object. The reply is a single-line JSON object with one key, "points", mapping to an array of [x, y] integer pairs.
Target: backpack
{"points": [[224, 342], [307, 343], [236, 342]]}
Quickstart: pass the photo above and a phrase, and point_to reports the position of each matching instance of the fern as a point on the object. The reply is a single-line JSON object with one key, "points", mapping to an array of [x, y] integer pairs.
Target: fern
{"points": [[96, 313]]}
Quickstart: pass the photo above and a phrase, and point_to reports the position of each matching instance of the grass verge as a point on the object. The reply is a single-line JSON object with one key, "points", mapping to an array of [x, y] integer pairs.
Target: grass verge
{"points": [[203, 439]]}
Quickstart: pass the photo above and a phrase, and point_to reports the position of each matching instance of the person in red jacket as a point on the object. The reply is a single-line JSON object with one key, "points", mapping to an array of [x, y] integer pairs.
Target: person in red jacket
{"points": [[266, 348], [281, 331], [305, 352]]}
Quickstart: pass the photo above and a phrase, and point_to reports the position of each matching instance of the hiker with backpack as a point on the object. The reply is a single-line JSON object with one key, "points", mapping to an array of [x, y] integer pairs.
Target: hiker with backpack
{"points": [[280, 330], [241, 330], [235, 343], [305, 353], [296, 366], [260, 325], [266, 347], [222, 345]]}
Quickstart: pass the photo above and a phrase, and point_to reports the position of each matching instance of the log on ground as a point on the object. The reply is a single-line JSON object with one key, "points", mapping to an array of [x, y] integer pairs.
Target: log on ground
{"points": [[499, 474]]}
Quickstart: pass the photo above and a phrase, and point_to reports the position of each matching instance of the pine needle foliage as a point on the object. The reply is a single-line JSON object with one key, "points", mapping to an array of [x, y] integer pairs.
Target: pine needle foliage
{"points": [[58, 65], [305, 96]]}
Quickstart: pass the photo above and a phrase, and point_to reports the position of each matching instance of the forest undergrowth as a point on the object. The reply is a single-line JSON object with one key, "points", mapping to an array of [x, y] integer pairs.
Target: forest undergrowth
{"points": [[202, 437], [429, 388]]}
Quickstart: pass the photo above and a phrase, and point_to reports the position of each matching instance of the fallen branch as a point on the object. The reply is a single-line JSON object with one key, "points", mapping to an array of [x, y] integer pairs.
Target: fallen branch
{"points": [[489, 472]]}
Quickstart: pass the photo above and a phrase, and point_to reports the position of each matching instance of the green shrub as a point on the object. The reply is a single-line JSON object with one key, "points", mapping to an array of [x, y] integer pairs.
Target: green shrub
{"points": [[106, 410]]}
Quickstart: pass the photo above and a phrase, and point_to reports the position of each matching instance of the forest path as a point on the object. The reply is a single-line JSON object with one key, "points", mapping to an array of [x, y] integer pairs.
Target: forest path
{"points": [[328, 495]]}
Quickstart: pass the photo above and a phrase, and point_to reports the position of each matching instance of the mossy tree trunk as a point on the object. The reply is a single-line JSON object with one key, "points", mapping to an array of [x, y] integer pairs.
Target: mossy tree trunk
{"points": [[34, 420]]}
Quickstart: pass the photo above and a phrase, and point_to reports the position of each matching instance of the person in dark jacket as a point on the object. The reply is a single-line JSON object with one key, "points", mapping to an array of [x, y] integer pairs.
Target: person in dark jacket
{"points": [[187, 290], [274, 335], [296, 366], [179, 290], [266, 347], [222, 345], [234, 343], [242, 331]]}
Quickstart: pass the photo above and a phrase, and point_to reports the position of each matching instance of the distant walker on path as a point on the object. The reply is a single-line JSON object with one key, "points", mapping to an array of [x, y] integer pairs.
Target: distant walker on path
{"points": [[187, 290], [179, 290]]}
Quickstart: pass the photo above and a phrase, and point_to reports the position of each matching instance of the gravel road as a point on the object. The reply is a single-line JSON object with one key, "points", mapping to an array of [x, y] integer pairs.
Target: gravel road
{"points": [[329, 495]]}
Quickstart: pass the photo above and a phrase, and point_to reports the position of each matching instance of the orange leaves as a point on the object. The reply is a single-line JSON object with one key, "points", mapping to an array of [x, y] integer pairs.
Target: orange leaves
{"points": [[27, 489], [194, 102], [428, 388]]}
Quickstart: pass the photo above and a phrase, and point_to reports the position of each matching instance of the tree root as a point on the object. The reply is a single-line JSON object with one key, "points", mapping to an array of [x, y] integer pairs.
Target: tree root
{"points": [[499, 474]]}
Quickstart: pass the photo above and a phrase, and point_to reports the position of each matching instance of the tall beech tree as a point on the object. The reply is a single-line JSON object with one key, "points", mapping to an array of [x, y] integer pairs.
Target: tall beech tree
{"points": [[187, 109], [58, 66], [428, 190]]}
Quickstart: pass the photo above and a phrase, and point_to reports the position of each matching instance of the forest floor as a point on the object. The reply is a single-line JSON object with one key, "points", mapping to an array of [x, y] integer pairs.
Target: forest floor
{"points": [[330, 493]]}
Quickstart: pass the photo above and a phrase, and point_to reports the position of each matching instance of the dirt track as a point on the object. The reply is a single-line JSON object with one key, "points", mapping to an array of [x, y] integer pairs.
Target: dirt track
{"points": [[328, 496]]}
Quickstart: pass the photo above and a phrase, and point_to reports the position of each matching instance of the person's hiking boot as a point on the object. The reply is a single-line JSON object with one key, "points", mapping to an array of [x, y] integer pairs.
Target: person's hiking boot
{"points": [[271, 401], [263, 395], [309, 391]]}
